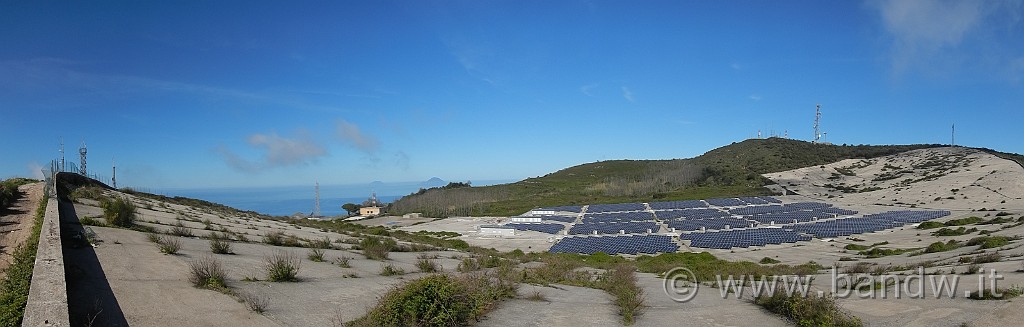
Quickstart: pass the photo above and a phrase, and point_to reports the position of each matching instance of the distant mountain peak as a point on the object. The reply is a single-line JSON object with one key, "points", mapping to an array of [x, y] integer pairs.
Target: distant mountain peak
{"points": [[433, 182]]}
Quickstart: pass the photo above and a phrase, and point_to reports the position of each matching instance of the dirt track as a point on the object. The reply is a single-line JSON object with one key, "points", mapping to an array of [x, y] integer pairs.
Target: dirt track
{"points": [[16, 222]]}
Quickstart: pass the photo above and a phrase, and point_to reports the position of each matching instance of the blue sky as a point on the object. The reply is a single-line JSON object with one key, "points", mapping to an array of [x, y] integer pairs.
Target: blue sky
{"points": [[187, 94]]}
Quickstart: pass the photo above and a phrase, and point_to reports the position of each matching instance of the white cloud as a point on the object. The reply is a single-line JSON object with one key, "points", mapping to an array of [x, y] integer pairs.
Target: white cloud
{"points": [[735, 66], [350, 134], [755, 97], [942, 35], [278, 151], [628, 94], [281, 151]]}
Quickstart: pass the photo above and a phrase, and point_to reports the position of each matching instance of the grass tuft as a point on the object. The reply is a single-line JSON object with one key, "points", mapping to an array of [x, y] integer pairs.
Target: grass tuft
{"points": [[207, 272], [282, 266]]}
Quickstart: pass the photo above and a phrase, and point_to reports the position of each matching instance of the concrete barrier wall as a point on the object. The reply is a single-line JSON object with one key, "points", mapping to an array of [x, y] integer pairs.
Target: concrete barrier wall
{"points": [[48, 296]]}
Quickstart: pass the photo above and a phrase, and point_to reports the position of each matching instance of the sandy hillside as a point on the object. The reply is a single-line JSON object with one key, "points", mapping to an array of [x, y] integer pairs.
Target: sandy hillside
{"points": [[946, 178]]}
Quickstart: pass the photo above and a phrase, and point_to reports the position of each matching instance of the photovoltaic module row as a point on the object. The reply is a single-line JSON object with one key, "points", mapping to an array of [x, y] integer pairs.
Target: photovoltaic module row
{"points": [[706, 213], [866, 224], [631, 244], [726, 202], [576, 209], [616, 207], [743, 238], [618, 216], [564, 219], [634, 227], [688, 204], [538, 227], [708, 224]]}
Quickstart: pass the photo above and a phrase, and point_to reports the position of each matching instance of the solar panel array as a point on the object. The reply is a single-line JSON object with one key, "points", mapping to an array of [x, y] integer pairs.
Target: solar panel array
{"points": [[538, 227], [744, 238], [867, 223], [670, 205], [711, 224], [617, 216], [753, 200], [563, 208], [564, 219], [725, 202], [632, 244], [705, 213], [633, 227], [616, 207]]}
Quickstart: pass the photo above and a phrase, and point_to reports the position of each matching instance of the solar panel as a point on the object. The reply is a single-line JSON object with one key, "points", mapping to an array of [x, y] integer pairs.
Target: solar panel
{"points": [[725, 202], [633, 227], [631, 244], [687, 204], [538, 227], [618, 216], [616, 207]]}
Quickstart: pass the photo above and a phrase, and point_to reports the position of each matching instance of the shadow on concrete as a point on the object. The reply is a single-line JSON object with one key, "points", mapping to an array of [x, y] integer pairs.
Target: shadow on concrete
{"points": [[91, 301]]}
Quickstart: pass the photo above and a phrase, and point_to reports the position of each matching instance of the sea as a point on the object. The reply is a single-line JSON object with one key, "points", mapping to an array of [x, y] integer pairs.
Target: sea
{"points": [[289, 200]]}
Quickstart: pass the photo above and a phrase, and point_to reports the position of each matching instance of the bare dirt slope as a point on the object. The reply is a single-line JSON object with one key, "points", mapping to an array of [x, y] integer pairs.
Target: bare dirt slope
{"points": [[16, 221], [947, 178]]}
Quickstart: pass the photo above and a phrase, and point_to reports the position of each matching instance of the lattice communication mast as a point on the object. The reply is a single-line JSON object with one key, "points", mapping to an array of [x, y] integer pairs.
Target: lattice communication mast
{"points": [[113, 178], [817, 121], [81, 153]]}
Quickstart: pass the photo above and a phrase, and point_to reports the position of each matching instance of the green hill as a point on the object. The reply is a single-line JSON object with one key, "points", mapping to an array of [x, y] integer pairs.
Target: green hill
{"points": [[732, 170]]}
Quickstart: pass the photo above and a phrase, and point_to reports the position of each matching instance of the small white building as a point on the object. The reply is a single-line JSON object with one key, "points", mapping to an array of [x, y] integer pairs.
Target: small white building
{"points": [[541, 212], [497, 230], [525, 219]]}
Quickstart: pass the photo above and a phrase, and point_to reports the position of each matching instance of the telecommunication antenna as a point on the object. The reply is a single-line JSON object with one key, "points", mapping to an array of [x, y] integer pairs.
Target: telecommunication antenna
{"points": [[952, 138], [316, 206], [824, 138], [62, 154], [81, 153], [817, 120], [759, 134], [113, 178], [786, 135]]}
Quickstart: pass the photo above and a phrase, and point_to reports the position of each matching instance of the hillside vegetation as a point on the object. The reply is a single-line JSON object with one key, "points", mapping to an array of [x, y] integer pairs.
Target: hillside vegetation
{"points": [[732, 170]]}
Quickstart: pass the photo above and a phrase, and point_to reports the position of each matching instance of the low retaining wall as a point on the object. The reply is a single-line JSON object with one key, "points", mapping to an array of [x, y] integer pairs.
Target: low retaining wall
{"points": [[48, 296]]}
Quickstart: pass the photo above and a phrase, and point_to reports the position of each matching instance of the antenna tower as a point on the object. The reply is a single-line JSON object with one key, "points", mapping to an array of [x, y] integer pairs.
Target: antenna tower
{"points": [[62, 165], [81, 153], [316, 206], [952, 138], [817, 120], [113, 178]]}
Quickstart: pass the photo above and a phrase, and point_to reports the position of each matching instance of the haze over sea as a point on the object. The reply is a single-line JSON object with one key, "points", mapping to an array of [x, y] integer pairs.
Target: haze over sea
{"points": [[288, 200]]}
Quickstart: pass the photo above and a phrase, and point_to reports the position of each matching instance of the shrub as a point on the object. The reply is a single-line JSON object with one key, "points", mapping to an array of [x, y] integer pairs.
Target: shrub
{"points": [[438, 300], [806, 311], [376, 248], [219, 244], [316, 255], [281, 266], [988, 242], [324, 243], [274, 238], [930, 225], [119, 211], [620, 282], [942, 247], [206, 272], [427, 265], [390, 270], [168, 244], [468, 264], [90, 221], [1003, 294], [972, 269], [255, 302], [180, 230], [768, 261], [343, 261]]}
